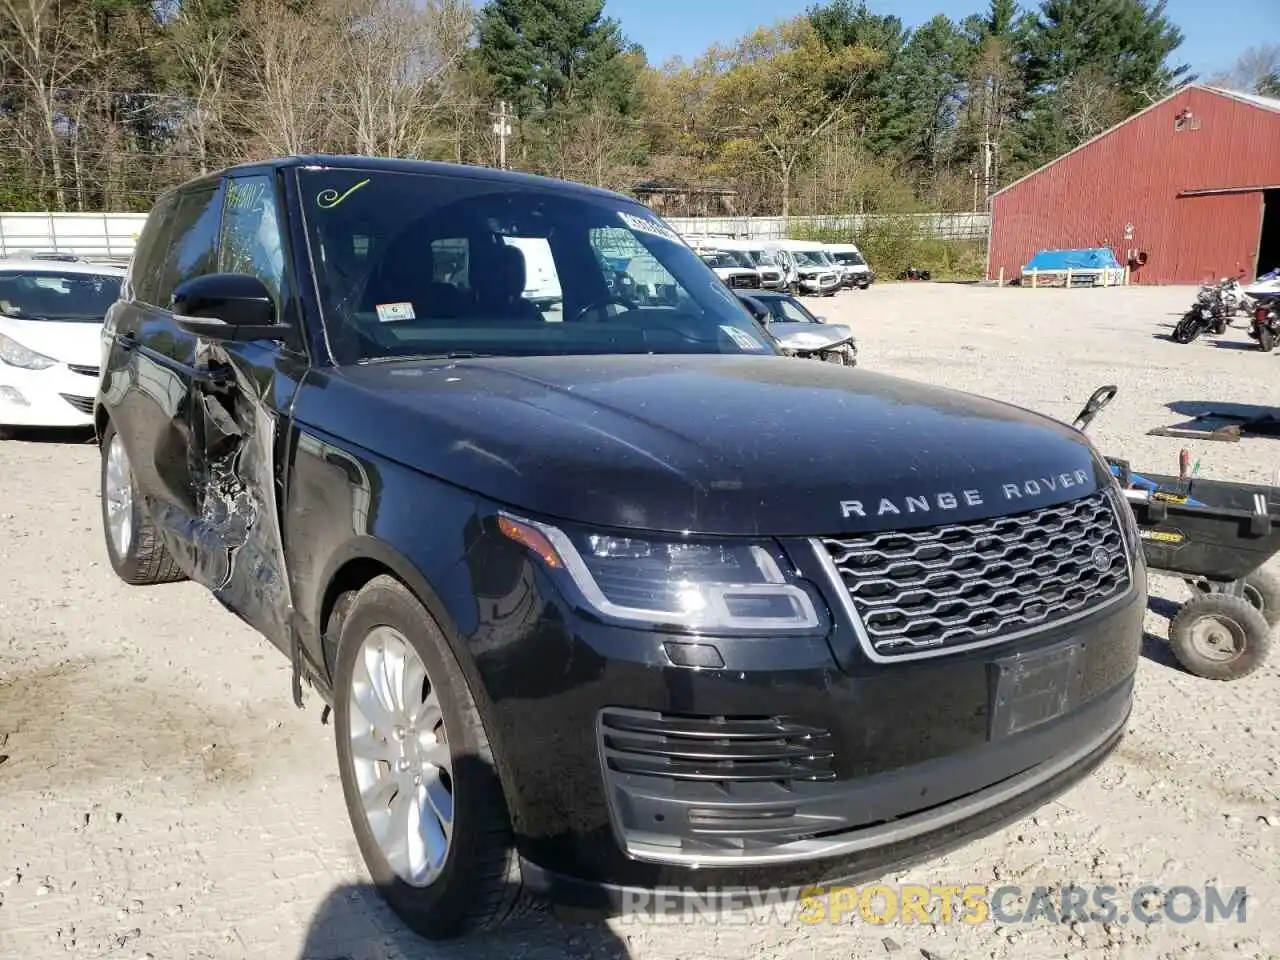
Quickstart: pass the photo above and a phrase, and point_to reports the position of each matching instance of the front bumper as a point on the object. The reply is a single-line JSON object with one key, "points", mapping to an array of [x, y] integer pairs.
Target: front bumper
{"points": [[58, 396], [620, 749], [822, 284]]}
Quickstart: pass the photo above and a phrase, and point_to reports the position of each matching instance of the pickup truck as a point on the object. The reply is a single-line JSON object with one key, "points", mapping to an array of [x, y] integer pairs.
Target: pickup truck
{"points": [[617, 599]]}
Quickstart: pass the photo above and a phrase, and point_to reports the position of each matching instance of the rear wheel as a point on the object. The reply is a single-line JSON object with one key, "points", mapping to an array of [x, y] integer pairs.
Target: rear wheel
{"points": [[417, 771], [1220, 637], [135, 550]]}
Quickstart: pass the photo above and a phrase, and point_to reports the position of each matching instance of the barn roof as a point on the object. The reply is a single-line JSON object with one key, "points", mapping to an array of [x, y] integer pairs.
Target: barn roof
{"points": [[1253, 100]]}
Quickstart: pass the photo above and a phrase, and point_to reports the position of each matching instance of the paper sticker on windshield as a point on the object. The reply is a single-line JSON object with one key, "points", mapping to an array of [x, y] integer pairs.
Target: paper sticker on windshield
{"points": [[743, 339], [391, 312], [651, 227]]}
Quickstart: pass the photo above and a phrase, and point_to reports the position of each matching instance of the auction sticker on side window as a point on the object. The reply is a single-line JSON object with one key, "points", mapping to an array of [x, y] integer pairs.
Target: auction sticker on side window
{"points": [[651, 227], [391, 312], [743, 339]]}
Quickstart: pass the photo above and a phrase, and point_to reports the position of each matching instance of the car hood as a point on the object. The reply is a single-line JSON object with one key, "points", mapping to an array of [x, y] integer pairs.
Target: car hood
{"points": [[710, 444], [803, 335], [78, 343]]}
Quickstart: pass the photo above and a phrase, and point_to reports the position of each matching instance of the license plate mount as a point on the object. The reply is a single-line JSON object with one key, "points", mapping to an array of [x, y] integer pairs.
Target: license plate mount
{"points": [[1031, 689]]}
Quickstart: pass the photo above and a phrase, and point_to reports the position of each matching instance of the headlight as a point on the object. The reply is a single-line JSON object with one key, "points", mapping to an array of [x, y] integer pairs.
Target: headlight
{"points": [[704, 585], [16, 355]]}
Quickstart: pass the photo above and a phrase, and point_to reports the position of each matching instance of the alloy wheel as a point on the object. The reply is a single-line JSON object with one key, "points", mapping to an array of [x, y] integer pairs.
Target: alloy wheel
{"points": [[400, 756], [118, 493]]}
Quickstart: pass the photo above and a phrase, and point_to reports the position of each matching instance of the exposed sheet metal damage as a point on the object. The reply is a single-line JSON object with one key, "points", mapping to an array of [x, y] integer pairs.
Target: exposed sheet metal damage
{"points": [[238, 517]]}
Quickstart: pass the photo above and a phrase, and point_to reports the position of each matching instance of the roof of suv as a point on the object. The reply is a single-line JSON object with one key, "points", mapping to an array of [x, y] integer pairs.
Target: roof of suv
{"points": [[397, 165]]}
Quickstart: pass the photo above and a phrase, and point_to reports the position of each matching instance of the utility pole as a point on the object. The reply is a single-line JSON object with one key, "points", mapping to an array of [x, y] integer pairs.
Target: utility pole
{"points": [[503, 129]]}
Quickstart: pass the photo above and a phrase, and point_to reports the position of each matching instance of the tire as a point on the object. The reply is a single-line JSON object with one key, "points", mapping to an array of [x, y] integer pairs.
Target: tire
{"points": [[1229, 617], [478, 885], [1261, 589], [1266, 340], [1188, 328], [139, 557]]}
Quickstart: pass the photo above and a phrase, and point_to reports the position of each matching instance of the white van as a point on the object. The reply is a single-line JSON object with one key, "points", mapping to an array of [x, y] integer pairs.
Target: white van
{"points": [[731, 266], [542, 282], [753, 253], [853, 264], [809, 269]]}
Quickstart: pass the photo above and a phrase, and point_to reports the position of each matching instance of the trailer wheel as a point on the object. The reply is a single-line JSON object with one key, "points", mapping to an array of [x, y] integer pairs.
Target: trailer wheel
{"points": [[1220, 637], [1261, 588]]}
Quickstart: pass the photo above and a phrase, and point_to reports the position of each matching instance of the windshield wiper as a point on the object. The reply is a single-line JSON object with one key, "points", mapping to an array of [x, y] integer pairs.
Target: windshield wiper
{"points": [[448, 355]]}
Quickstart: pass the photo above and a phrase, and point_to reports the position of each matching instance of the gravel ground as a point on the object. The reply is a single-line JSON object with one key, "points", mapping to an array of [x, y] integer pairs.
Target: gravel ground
{"points": [[162, 798]]}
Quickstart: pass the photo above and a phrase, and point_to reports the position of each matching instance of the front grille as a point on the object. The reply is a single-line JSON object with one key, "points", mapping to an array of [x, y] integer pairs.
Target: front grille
{"points": [[83, 369], [83, 404], [962, 584], [771, 276], [713, 749], [744, 280]]}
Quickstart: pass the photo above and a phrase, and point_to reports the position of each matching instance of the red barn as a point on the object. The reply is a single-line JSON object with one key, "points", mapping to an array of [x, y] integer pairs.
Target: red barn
{"points": [[1186, 191]]}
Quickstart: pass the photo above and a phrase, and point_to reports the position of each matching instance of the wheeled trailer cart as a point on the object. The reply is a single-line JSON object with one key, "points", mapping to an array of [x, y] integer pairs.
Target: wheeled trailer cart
{"points": [[1216, 536]]}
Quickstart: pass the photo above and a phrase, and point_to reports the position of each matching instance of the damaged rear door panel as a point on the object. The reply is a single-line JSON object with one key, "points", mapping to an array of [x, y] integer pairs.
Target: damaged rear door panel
{"points": [[215, 414]]}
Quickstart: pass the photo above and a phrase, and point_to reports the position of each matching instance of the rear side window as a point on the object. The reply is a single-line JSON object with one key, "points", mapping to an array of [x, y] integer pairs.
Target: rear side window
{"points": [[152, 250], [193, 244]]}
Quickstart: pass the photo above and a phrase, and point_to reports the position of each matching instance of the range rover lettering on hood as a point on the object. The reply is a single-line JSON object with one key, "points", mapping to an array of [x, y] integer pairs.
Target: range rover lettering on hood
{"points": [[952, 499]]}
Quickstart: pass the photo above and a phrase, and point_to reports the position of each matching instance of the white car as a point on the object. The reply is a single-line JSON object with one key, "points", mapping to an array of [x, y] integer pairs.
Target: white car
{"points": [[51, 313]]}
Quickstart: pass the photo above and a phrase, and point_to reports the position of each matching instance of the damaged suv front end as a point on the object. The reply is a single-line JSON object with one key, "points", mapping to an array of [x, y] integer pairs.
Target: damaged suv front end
{"points": [[610, 599]]}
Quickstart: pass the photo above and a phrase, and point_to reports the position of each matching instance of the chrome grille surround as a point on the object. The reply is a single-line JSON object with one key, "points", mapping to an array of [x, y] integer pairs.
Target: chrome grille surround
{"points": [[932, 591]]}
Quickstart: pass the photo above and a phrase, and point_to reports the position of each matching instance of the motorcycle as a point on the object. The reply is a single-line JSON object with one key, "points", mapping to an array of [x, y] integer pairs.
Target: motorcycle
{"points": [[1215, 306], [1264, 294]]}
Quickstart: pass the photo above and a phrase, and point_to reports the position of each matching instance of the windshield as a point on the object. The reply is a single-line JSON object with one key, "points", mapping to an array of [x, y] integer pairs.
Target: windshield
{"points": [[719, 259], [789, 311], [852, 259], [421, 264], [55, 295], [762, 258], [809, 258]]}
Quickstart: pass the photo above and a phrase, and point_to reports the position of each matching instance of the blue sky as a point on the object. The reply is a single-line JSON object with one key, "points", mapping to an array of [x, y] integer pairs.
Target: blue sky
{"points": [[1215, 31]]}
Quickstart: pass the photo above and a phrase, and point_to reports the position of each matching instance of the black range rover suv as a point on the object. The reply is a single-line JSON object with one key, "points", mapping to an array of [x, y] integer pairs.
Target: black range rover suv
{"points": [[609, 598]]}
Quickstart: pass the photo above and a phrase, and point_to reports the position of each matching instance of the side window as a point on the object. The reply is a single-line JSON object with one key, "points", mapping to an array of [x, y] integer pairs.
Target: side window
{"points": [[193, 250], [629, 269], [450, 262], [152, 250], [251, 240]]}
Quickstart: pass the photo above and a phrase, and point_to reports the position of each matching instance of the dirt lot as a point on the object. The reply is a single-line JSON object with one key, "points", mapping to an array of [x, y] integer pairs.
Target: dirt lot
{"points": [[162, 798]]}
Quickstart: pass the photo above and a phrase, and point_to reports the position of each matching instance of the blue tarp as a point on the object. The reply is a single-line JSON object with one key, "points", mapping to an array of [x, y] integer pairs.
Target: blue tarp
{"points": [[1096, 258]]}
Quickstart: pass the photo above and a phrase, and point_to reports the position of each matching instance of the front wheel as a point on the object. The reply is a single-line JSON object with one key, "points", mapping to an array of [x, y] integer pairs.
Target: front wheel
{"points": [[1266, 339], [134, 548], [417, 771], [1220, 637], [1188, 328]]}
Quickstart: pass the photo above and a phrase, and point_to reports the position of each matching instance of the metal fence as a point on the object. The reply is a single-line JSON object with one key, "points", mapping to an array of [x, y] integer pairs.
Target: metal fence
{"points": [[941, 226], [113, 235], [108, 236]]}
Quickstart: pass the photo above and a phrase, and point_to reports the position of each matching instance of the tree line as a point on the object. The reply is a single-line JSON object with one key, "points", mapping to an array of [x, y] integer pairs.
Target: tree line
{"points": [[105, 103]]}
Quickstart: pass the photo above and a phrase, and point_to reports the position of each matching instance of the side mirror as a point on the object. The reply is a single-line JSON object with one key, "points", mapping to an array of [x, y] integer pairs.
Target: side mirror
{"points": [[821, 319], [227, 306]]}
